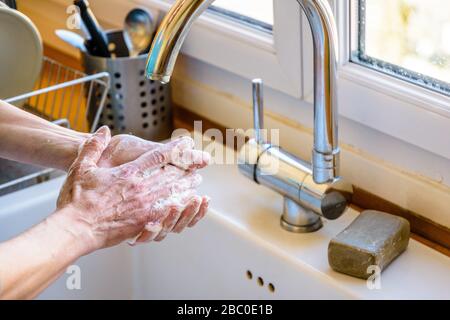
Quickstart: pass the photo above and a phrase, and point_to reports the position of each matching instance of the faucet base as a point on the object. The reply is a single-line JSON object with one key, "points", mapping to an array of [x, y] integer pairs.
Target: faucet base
{"points": [[298, 219]]}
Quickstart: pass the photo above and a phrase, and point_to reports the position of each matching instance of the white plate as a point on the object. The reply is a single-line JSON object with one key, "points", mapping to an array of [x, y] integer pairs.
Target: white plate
{"points": [[20, 55]]}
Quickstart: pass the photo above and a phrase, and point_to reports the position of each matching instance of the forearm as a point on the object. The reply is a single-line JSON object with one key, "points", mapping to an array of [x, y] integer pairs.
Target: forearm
{"points": [[33, 260], [30, 139]]}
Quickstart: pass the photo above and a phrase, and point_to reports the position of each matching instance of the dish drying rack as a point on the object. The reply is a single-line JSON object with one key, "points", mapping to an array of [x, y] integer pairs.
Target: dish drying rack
{"points": [[64, 96]]}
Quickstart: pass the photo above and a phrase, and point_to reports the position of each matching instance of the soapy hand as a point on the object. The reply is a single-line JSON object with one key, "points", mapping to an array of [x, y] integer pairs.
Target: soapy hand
{"points": [[124, 148], [150, 193]]}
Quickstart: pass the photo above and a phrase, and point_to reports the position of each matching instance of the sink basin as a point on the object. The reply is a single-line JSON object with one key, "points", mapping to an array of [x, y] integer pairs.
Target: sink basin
{"points": [[16, 176], [238, 251], [105, 274]]}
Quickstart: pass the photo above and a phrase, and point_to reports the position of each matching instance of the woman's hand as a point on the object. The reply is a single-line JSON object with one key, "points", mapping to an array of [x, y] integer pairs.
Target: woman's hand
{"points": [[148, 197], [124, 148], [100, 207]]}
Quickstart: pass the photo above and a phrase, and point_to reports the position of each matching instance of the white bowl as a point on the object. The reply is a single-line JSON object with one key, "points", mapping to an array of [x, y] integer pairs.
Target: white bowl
{"points": [[20, 55]]}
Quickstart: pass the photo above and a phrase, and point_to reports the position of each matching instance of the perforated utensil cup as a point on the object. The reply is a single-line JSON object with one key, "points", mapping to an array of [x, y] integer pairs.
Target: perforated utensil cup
{"points": [[134, 104]]}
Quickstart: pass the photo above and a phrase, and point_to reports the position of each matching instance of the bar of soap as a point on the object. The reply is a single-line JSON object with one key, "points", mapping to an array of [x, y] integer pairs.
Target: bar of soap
{"points": [[373, 239]]}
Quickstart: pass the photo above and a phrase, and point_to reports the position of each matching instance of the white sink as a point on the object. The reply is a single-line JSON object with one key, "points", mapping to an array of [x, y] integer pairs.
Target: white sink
{"points": [[105, 274], [241, 233]]}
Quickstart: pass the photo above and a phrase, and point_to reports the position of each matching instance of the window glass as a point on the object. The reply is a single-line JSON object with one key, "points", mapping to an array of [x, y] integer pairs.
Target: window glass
{"points": [[258, 13], [408, 38]]}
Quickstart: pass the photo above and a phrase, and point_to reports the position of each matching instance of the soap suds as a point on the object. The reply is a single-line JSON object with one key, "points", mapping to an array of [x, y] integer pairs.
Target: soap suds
{"points": [[177, 199]]}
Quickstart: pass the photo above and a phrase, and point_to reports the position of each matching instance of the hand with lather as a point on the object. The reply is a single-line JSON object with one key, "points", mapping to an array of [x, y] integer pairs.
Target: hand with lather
{"points": [[117, 188]]}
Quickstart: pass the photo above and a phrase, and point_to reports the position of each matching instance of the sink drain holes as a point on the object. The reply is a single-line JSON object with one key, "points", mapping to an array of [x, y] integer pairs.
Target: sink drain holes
{"points": [[260, 281]]}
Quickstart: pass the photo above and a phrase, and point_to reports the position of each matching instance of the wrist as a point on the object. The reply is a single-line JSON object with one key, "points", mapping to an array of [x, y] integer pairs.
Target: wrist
{"points": [[75, 230], [70, 144]]}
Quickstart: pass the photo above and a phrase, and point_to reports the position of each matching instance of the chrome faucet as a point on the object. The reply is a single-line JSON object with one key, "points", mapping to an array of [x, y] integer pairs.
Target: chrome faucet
{"points": [[310, 191]]}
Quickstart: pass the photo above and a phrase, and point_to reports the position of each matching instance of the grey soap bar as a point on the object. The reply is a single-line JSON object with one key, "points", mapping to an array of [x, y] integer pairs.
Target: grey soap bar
{"points": [[373, 239]]}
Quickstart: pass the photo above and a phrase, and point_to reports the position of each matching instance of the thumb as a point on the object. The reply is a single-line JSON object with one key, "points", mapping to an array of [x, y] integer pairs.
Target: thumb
{"points": [[93, 148]]}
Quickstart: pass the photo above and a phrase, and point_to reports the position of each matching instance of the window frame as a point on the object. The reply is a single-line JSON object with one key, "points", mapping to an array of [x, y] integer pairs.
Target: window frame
{"points": [[360, 56], [230, 43], [391, 105]]}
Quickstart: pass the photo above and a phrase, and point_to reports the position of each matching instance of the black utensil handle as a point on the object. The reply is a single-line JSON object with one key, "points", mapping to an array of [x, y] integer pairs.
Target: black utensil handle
{"points": [[11, 3], [98, 44]]}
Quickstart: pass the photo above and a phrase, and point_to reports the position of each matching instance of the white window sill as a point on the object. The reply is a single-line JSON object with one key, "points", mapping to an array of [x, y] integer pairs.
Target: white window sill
{"points": [[395, 107]]}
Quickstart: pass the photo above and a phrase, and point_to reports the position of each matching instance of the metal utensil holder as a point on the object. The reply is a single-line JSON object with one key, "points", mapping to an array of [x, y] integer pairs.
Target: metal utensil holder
{"points": [[61, 95], [134, 104]]}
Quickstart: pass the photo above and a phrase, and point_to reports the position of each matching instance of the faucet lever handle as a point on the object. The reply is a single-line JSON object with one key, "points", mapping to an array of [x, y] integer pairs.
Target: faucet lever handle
{"points": [[258, 110]]}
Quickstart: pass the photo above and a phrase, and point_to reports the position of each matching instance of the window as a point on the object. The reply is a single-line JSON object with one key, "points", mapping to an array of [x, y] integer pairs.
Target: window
{"points": [[375, 93], [257, 13], [409, 39], [236, 36]]}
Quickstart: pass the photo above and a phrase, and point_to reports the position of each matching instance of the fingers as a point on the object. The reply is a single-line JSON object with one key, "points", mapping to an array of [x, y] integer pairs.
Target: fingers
{"points": [[188, 214], [192, 159], [175, 218], [177, 184], [169, 222], [176, 205], [151, 230], [158, 213], [190, 181], [161, 156], [183, 141], [163, 172], [179, 152], [92, 149], [143, 237], [186, 209], [201, 212], [133, 241], [166, 176], [188, 158]]}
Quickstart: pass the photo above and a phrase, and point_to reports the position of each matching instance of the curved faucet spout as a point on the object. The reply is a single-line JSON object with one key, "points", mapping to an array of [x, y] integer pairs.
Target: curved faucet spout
{"points": [[325, 159], [170, 36]]}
